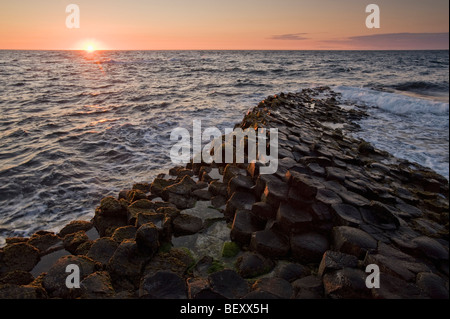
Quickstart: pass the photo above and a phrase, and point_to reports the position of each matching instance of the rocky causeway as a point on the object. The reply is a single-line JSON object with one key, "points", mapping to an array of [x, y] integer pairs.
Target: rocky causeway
{"points": [[335, 205]]}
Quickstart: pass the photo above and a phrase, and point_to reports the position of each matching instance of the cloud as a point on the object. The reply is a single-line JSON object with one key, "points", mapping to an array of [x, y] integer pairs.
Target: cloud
{"points": [[395, 41], [290, 37]]}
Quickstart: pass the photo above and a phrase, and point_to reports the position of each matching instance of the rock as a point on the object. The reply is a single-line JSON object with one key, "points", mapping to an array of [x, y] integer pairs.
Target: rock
{"points": [[106, 224], [269, 244], [72, 241], [163, 285], [347, 283], [97, 286], [307, 186], [275, 286], [353, 241], [336, 173], [354, 199], [392, 287], [147, 238], [218, 189], [275, 192], [127, 264], [54, 281], [109, 206], [159, 184], [202, 194], [244, 224], [143, 187], [431, 248], [316, 169], [394, 262], [44, 242], [180, 201], [122, 233], [218, 201], [251, 265], [142, 206], [187, 225], [162, 223], [328, 197], [365, 148], [230, 171], [230, 249], [102, 250], [334, 260], [238, 201], [240, 183], [293, 219], [264, 211], [198, 288], [19, 256], [135, 195], [409, 211], [380, 215], [74, 227], [177, 260], [16, 277], [259, 295], [229, 284], [321, 213], [308, 247], [292, 272], [309, 284], [10, 291], [346, 215], [183, 188], [432, 285]]}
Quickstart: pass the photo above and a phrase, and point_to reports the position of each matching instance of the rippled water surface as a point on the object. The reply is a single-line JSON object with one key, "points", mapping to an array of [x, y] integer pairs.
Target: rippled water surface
{"points": [[75, 127]]}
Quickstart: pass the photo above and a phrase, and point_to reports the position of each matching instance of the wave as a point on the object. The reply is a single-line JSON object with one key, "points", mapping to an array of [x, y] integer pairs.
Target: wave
{"points": [[392, 102], [415, 86]]}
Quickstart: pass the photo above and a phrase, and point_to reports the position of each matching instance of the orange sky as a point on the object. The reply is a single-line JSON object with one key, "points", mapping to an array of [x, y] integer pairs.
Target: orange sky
{"points": [[219, 24]]}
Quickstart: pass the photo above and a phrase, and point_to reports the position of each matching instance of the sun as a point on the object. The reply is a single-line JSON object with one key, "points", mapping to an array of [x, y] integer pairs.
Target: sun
{"points": [[90, 48]]}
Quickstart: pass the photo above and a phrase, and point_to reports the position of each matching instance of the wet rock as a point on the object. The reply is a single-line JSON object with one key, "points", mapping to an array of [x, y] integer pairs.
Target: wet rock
{"points": [[307, 186], [135, 195], [229, 284], [321, 213], [264, 211], [408, 211], [347, 283], [244, 224], [142, 206], [335, 260], [74, 227], [269, 243], [122, 233], [19, 256], [102, 250], [72, 241], [187, 225], [230, 171], [293, 219], [251, 265], [354, 199], [392, 287], [97, 286], [218, 201], [183, 188], [353, 241], [275, 286], [238, 201], [292, 272], [163, 285], [432, 285], [316, 169], [162, 223], [143, 187], [147, 238], [180, 201], [106, 224], [308, 247], [346, 215], [335, 173], [54, 281], [109, 206], [126, 265]]}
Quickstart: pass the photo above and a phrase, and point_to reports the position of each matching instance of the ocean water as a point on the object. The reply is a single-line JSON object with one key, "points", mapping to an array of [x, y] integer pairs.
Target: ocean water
{"points": [[75, 127]]}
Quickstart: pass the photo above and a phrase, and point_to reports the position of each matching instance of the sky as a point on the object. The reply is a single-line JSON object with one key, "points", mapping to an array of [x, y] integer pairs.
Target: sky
{"points": [[224, 25]]}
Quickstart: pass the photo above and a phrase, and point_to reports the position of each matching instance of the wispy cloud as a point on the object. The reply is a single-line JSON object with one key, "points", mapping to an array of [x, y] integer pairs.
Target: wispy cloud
{"points": [[395, 41], [290, 36]]}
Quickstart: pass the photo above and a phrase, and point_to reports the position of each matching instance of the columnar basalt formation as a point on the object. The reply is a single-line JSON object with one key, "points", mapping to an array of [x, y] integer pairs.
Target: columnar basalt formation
{"points": [[335, 205]]}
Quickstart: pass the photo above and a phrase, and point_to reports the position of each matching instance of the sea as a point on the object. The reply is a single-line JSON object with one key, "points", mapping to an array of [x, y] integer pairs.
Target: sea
{"points": [[78, 126]]}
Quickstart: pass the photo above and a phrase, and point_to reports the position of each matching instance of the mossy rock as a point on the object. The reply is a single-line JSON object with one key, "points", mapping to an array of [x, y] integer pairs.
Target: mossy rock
{"points": [[230, 249]]}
